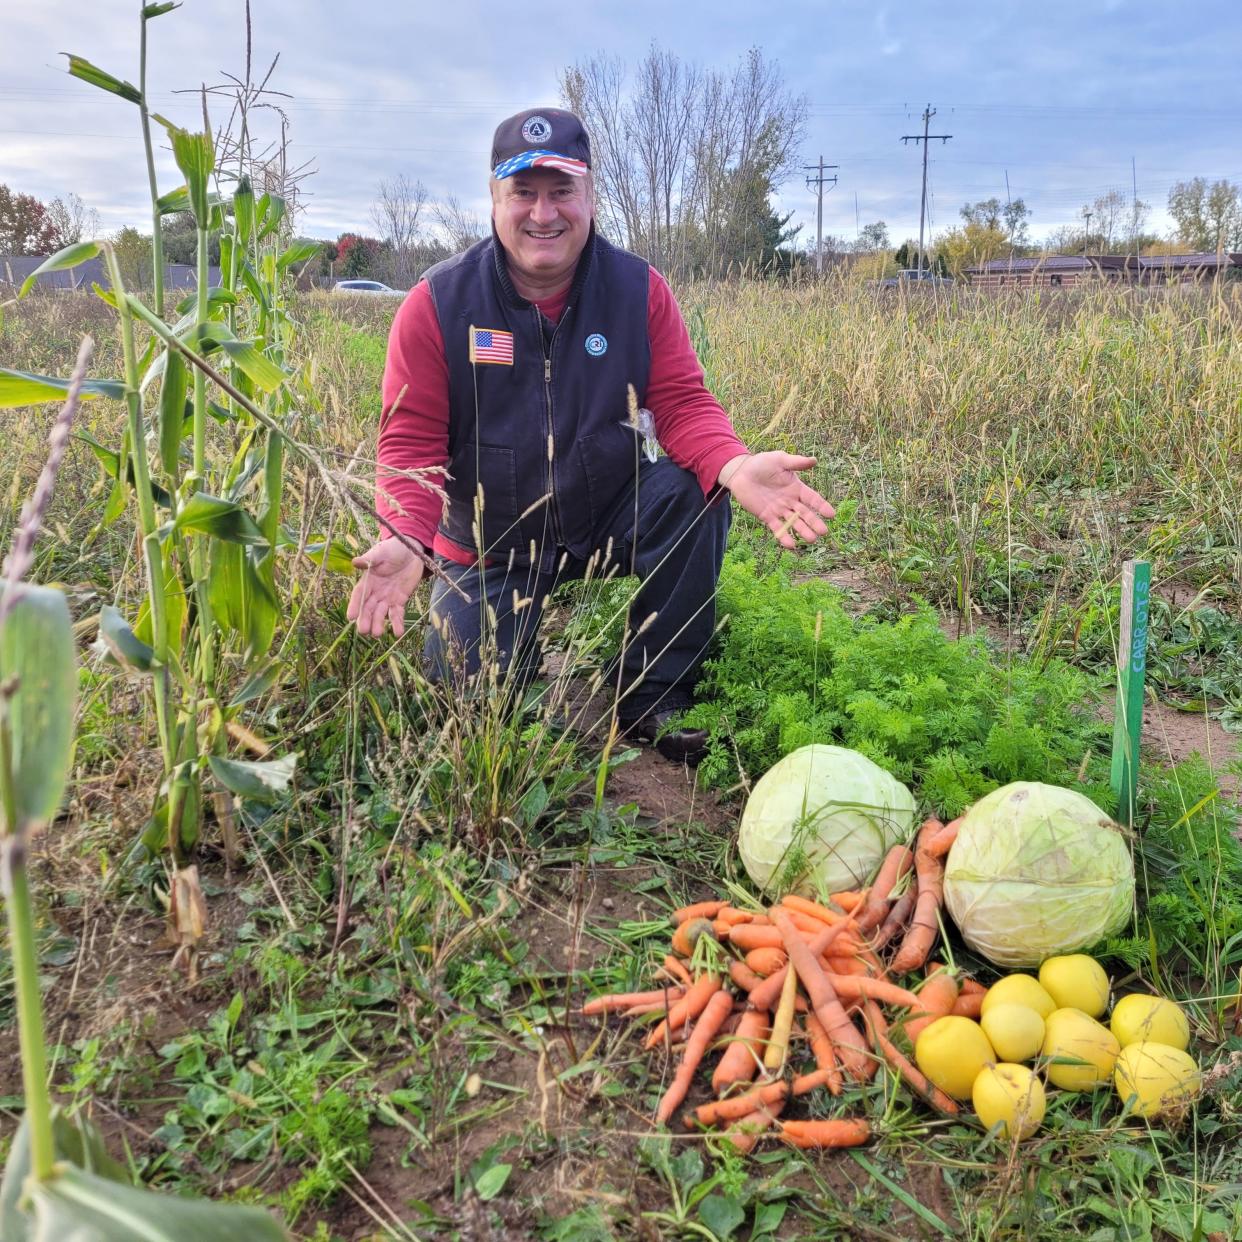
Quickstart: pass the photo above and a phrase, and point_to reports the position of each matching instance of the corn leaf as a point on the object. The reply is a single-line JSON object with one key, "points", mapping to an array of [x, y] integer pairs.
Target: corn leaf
{"points": [[77, 1204], [225, 519], [225, 589], [215, 297], [83, 69], [258, 684], [297, 252], [36, 648], [111, 463], [120, 641], [23, 388], [73, 1139], [340, 560], [61, 261], [270, 212], [172, 416], [262, 371], [254, 286], [263, 780], [178, 200]]}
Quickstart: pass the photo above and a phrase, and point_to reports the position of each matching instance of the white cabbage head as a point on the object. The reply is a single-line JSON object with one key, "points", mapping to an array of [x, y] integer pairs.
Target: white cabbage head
{"points": [[822, 819], [1037, 870]]}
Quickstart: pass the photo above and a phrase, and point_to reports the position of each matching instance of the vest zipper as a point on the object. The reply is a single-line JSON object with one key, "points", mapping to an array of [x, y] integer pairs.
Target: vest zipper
{"points": [[550, 447]]}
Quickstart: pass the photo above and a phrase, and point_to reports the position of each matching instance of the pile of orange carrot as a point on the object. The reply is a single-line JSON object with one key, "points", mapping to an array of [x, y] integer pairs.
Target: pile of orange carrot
{"points": [[794, 999]]}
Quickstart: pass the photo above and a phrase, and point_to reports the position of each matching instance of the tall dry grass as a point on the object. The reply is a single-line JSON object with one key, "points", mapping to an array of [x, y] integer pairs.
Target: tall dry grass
{"points": [[1102, 422]]}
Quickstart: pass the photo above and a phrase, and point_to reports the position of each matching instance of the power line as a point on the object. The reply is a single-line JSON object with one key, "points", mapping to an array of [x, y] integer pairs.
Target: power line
{"points": [[925, 138]]}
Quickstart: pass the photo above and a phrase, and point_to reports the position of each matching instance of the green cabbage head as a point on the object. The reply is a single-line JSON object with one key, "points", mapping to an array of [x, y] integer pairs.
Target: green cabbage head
{"points": [[1037, 870], [821, 820]]}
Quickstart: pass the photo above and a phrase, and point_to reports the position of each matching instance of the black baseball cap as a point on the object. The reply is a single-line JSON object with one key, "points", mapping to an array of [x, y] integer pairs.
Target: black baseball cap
{"points": [[541, 138]]}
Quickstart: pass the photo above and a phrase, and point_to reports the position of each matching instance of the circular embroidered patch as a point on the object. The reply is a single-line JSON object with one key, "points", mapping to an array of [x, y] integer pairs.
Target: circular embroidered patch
{"points": [[537, 129], [596, 344]]}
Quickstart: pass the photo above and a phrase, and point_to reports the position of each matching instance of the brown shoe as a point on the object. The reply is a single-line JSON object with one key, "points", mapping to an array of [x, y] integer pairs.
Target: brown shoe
{"points": [[676, 745]]}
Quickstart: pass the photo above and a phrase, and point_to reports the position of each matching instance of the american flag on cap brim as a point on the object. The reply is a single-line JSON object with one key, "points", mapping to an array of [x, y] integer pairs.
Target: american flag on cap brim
{"points": [[539, 159], [491, 345]]}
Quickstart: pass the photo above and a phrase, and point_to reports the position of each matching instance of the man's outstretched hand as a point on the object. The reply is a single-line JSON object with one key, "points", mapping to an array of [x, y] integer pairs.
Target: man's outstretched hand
{"points": [[390, 573], [767, 485]]}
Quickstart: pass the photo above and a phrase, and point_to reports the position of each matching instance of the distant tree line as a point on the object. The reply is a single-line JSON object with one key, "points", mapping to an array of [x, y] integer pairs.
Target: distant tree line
{"points": [[31, 227], [686, 162]]}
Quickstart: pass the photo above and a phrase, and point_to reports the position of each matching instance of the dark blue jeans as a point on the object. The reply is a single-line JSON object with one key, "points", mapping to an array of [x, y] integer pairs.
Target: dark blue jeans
{"points": [[673, 541]]}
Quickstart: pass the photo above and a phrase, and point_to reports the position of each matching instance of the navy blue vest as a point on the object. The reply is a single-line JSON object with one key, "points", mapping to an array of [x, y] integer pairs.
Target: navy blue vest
{"points": [[545, 439]]}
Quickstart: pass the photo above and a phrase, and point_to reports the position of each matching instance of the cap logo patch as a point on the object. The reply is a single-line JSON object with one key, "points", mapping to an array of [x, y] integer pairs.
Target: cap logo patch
{"points": [[536, 129], [596, 344]]}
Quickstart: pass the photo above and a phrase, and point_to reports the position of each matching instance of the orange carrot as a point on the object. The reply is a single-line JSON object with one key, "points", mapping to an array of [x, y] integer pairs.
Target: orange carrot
{"points": [[821, 1049], [689, 1006], [744, 1134], [909, 1072], [733, 1107], [745, 978], [700, 910], [674, 967], [747, 936], [740, 1059], [925, 925], [823, 1000], [850, 900], [935, 999], [765, 961], [896, 863], [968, 1005], [625, 1000], [840, 1132], [845, 965], [768, 991], [714, 1013], [811, 924], [898, 916], [940, 842], [688, 934], [803, 905], [638, 1011], [728, 917], [972, 985], [847, 987]]}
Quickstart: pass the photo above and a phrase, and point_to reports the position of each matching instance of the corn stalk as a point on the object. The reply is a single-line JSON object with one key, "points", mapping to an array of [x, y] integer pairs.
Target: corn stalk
{"points": [[59, 1181], [206, 501]]}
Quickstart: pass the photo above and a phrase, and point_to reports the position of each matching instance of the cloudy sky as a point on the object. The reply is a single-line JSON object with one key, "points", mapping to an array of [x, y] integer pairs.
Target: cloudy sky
{"points": [[1060, 96]]}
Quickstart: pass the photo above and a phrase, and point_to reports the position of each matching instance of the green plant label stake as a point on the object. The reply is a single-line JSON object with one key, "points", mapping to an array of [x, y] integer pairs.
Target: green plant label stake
{"points": [[1131, 675]]}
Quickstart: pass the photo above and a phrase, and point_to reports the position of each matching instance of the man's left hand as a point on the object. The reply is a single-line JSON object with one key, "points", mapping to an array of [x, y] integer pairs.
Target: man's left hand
{"points": [[767, 485]]}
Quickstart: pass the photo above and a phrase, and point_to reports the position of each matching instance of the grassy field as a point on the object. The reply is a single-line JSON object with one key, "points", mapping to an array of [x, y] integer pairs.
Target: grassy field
{"points": [[379, 1036]]}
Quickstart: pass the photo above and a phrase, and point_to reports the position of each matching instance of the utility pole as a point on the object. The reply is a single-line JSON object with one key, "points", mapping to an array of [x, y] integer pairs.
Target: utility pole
{"points": [[818, 183], [924, 137], [1087, 231]]}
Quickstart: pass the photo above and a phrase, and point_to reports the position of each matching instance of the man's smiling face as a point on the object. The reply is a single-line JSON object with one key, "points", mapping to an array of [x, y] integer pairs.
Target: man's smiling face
{"points": [[543, 219]]}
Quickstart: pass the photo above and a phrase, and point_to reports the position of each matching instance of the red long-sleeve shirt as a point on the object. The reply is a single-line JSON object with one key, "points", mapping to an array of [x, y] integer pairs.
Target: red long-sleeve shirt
{"points": [[690, 424]]}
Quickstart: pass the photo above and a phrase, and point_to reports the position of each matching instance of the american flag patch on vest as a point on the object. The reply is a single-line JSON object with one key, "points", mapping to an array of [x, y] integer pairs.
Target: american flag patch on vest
{"points": [[491, 345]]}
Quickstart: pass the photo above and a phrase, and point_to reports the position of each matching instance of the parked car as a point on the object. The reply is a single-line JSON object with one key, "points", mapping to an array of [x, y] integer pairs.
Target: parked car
{"points": [[367, 286]]}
